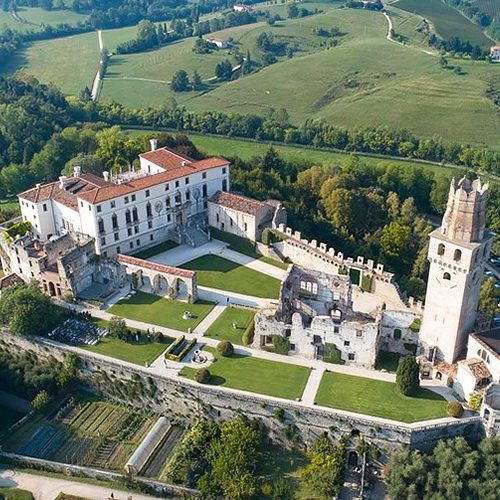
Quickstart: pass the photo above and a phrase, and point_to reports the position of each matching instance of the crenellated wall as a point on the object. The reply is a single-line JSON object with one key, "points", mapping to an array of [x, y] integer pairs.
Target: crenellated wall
{"points": [[184, 400], [316, 255]]}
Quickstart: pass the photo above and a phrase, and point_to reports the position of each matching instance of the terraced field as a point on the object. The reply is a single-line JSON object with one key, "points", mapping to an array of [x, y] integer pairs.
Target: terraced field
{"points": [[86, 432]]}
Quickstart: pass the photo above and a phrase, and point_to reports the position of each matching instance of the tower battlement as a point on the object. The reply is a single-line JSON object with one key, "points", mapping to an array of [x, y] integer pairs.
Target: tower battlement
{"points": [[465, 216]]}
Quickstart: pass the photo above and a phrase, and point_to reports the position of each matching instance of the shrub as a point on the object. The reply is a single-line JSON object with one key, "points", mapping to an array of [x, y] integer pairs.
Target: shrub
{"points": [[40, 401], [248, 336], [455, 409], [333, 355], [397, 333], [279, 413], [366, 283], [225, 348], [475, 401], [202, 376], [407, 376]]}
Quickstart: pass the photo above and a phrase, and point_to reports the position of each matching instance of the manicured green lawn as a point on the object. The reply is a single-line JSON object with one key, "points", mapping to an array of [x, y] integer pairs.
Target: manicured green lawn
{"points": [[252, 374], [162, 312], [244, 246], [378, 398], [152, 251], [15, 494], [222, 327], [223, 274], [140, 353]]}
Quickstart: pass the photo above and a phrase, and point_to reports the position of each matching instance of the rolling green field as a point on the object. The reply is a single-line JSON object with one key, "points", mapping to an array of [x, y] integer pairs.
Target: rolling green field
{"points": [[35, 17], [247, 373], [447, 21], [366, 80], [377, 398], [113, 38], [70, 63], [226, 146]]}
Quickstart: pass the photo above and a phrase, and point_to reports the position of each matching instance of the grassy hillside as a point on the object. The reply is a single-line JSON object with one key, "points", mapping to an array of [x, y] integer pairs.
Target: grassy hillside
{"points": [[34, 17], [447, 21], [70, 62]]}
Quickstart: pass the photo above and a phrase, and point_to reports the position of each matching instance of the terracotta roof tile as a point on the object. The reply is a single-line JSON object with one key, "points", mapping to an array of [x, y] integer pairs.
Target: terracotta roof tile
{"points": [[94, 189], [166, 158], [135, 261], [477, 368], [9, 280], [238, 202]]}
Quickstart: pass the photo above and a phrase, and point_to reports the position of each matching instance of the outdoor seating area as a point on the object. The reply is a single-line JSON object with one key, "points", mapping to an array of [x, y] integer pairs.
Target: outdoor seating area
{"points": [[78, 331]]}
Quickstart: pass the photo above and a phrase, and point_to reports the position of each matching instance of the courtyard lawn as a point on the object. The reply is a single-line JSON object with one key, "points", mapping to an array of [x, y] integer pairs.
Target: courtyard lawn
{"points": [[152, 251], [15, 494], [378, 398], [244, 246], [222, 327], [156, 310], [140, 352], [223, 274], [262, 376]]}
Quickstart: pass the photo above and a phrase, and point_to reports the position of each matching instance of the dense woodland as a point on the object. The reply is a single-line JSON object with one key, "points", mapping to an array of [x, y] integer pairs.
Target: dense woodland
{"points": [[454, 469]]}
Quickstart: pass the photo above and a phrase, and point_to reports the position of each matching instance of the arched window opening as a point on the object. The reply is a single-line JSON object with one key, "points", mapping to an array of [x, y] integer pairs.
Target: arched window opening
{"points": [[441, 249], [447, 276], [457, 256]]}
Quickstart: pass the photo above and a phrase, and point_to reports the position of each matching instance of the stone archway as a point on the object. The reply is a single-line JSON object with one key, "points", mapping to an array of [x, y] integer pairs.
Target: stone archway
{"points": [[160, 285], [52, 289], [182, 289]]}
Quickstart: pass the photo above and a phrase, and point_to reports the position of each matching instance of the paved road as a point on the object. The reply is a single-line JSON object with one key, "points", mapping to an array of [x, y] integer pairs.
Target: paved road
{"points": [[47, 488], [97, 78]]}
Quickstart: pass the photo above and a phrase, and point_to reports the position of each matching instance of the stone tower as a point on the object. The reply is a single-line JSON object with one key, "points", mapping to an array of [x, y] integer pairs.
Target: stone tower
{"points": [[458, 251]]}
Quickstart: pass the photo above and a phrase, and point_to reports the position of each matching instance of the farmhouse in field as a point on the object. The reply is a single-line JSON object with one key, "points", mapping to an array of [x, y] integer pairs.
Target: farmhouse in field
{"points": [[220, 44], [240, 7], [495, 53], [243, 216]]}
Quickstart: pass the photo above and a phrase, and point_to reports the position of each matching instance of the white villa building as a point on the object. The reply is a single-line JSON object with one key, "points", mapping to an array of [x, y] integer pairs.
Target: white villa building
{"points": [[127, 212]]}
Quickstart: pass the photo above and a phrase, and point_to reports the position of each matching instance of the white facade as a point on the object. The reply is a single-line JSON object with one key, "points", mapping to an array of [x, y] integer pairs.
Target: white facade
{"points": [[495, 53], [458, 252], [133, 211], [240, 215]]}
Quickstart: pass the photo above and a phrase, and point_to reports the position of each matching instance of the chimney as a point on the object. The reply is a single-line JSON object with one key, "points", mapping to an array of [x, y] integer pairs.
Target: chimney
{"points": [[62, 181], [105, 174], [38, 185], [77, 171], [154, 144]]}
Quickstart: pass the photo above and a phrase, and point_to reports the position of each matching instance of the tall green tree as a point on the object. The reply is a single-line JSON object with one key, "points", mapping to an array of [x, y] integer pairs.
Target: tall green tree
{"points": [[408, 376], [180, 81]]}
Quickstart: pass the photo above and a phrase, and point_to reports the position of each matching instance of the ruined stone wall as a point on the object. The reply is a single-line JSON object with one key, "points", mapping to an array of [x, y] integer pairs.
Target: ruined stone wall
{"points": [[184, 401]]}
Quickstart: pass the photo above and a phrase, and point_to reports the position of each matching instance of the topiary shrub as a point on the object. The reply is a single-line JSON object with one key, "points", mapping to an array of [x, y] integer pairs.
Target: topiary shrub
{"points": [[455, 409], [475, 401], [249, 334], [202, 376], [225, 348], [279, 413], [407, 376]]}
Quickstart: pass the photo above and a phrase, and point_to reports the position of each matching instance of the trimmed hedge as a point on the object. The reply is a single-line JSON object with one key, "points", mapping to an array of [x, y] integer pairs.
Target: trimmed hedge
{"points": [[366, 283], [178, 357], [455, 409], [270, 236], [249, 334]]}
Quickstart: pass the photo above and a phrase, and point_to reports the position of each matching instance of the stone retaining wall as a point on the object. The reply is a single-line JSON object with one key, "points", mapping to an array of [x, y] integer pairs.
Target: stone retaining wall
{"points": [[184, 401]]}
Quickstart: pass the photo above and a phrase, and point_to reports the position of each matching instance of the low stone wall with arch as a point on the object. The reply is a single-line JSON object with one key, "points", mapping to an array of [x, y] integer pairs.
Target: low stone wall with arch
{"points": [[173, 282]]}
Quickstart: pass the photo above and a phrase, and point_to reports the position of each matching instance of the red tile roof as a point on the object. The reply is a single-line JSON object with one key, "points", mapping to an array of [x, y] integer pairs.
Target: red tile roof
{"points": [[94, 189], [74, 187], [161, 268], [238, 202], [166, 158]]}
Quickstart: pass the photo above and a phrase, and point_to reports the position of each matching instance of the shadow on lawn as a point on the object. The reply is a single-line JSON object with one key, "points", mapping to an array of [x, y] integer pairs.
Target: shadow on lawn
{"points": [[211, 263]]}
